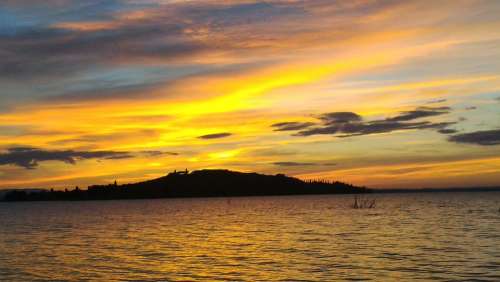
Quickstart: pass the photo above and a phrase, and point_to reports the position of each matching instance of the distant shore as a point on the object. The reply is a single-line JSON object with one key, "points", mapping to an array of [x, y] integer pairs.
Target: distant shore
{"points": [[436, 190], [212, 183], [184, 184]]}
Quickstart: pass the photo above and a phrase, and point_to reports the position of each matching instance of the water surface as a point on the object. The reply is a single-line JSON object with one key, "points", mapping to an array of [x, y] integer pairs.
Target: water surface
{"points": [[429, 236]]}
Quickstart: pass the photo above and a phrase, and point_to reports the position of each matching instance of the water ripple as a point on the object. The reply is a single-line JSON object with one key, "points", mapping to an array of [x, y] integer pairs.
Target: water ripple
{"points": [[438, 237]]}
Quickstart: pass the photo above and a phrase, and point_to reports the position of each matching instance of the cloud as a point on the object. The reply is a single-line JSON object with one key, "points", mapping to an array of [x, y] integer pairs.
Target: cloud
{"points": [[420, 112], [29, 158], [318, 131], [292, 164], [437, 101], [138, 134], [347, 124], [110, 33], [290, 126], [158, 153], [372, 127], [339, 117], [389, 126], [64, 37], [215, 135], [485, 137], [55, 51], [447, 131]]}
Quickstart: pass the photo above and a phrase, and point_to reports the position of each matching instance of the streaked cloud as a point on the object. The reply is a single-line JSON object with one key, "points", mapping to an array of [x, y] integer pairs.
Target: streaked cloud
{"points": [[347, 124], [291, 125], [447, 131], [420, 112], [29, 158], [484, 137], [215, 135]]}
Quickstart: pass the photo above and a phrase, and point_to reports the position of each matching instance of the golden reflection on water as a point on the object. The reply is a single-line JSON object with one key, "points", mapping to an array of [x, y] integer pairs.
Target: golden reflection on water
{"points": [[438, 236]]}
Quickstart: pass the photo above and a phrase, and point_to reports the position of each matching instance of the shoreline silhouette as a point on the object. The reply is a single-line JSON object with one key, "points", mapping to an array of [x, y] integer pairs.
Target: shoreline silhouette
{"points": [[199, 183]]}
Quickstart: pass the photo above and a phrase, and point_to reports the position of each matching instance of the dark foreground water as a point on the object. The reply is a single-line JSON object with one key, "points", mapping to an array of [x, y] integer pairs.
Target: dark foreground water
{"points": [[434, 236]]}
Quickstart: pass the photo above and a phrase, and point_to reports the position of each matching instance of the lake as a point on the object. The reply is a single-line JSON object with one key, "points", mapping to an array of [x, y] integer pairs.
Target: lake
{"points": [[426, 236]]}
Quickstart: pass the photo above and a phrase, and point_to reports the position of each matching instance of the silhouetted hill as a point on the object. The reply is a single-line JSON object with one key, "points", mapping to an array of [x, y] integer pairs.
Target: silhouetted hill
{"points": [[201, 183]]}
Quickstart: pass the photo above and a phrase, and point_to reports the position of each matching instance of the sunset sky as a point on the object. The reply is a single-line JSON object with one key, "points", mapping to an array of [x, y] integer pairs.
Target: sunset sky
{"points": [[377, 93]]}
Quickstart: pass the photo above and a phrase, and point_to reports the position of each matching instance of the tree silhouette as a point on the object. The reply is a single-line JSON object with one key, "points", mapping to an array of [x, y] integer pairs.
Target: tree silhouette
{"points": [[201, 183]]}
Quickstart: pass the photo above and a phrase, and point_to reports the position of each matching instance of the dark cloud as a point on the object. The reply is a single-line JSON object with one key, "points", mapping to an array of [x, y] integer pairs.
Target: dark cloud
{"points": [[29, 158], [291, 126], [170, 33], [318, 131], [158, 153], [420, 112], [292, 164], [339, 117], [54, 51], [41, 43], [447, 131], [117, 157], [389, 126], [485, 137], [373, 127], [237, 13], [346, 124], [470, 108], [215, 135], [17, 3]]}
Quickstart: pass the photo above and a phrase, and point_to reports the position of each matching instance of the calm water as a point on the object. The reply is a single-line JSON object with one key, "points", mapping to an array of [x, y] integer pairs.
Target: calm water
{"points": [[436, 236]]}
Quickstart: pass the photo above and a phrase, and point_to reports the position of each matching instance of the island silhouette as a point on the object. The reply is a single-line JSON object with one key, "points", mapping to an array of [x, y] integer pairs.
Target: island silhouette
{"points": [[199, 183]]}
